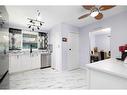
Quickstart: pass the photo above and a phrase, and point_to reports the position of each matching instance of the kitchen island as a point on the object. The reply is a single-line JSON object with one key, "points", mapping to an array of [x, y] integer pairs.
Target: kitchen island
{"points": [[107, 74]]}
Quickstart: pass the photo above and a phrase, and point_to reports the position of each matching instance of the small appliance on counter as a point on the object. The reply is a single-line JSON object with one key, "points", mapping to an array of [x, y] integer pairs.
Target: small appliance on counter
{"points": [[123, 50]]}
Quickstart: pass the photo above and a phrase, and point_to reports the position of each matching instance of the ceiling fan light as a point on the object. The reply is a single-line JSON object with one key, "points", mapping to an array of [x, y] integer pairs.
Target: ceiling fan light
{"points": [[94, 14]]}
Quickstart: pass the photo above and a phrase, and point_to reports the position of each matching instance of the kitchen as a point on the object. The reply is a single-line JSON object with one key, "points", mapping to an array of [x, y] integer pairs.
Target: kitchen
{"points": [[21, 50], [46, 47], [28, 49], [33, 50]]}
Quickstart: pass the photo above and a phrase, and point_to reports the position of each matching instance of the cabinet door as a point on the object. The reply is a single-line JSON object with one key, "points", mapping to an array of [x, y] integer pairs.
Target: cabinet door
{"points": [[22, 62], [13, 64], [18, 65], [35, 61], [32, 60], [27, 62]]}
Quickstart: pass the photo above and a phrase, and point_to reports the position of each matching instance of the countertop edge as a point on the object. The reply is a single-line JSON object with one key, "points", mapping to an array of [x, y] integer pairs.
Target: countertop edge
{"points": [[106, 71]]}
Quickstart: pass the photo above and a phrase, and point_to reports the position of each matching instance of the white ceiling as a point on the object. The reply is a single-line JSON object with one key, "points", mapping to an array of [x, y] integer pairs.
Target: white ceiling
{"points": [[53, 15]]}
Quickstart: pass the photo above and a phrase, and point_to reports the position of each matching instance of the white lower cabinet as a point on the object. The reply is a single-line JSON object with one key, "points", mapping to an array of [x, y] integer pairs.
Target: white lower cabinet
{"points": [[12, 61], [103, 80], [37, 61], [23, 62]]}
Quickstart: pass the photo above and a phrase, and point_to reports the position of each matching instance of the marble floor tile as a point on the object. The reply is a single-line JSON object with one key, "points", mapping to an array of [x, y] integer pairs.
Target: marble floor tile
{"points": [[49, 79]]}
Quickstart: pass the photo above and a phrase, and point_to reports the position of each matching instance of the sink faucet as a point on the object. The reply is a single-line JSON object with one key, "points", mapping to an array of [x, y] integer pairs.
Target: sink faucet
{"points": [[31, 48]]}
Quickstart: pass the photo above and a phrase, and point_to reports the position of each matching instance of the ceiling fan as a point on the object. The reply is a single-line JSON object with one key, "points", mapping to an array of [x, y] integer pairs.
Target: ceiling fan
{"points": [[95, 11]]}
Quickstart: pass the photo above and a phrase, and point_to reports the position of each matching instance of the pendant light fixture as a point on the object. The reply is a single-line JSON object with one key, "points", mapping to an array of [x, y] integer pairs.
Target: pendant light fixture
{"points": [[35, 23]]}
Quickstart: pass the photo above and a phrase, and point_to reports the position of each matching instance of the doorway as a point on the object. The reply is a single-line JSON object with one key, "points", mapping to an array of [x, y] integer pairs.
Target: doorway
{"points": [[100, 44], [73, 50]]}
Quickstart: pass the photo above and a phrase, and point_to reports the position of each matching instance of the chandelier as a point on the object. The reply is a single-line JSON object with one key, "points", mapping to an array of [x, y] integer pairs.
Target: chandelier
{"points": [[35, 23]]}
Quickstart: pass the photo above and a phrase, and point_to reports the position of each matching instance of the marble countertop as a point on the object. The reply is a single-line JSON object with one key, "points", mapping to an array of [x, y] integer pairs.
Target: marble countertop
{"points": [[110, 66], [28, 52]]}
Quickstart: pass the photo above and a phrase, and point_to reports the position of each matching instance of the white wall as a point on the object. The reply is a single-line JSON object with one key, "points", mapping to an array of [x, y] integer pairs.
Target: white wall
{"points": [[66, 28], [55, 40], [60, 49], [118, 25], [103, 42], [84, 47], [92, 41]]}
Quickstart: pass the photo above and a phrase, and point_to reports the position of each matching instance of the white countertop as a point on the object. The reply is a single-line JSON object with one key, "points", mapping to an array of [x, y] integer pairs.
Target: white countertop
{"points": [[28, 52], [110, 66]]}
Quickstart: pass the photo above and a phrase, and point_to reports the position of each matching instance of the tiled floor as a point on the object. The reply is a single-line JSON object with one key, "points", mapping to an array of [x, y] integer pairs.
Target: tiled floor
{"points": [[49, 79]]}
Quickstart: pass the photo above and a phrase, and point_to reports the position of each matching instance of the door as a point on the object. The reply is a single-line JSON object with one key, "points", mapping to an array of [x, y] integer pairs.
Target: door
{"points": [[73, 51], [35, 61]]}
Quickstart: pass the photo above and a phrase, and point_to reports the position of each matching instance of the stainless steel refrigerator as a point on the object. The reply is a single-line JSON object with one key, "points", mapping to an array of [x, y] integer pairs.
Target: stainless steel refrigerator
{"points": [[4, 49]]}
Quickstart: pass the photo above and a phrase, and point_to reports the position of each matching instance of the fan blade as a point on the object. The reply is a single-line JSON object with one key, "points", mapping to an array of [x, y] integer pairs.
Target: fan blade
{"points": [[83, 16], [99, 16], [88, 7], [103, 8]]}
